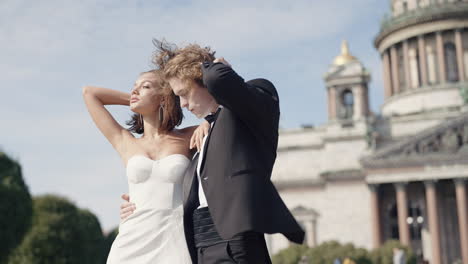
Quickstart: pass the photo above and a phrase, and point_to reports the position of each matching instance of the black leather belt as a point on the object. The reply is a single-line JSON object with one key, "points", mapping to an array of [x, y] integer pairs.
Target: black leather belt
{"points": [[204, 229]]}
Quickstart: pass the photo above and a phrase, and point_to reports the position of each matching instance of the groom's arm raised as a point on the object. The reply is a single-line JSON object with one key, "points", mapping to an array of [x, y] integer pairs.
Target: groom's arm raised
{"points": [[256, 106]]}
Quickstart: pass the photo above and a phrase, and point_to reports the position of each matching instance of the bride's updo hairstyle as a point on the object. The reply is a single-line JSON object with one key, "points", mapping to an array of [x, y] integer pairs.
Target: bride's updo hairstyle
{"points": [[171, 114]]}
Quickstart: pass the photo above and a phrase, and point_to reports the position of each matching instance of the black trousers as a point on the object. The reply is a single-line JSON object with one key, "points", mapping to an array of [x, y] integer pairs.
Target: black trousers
{"points": [[245, 248], [249, 250]]}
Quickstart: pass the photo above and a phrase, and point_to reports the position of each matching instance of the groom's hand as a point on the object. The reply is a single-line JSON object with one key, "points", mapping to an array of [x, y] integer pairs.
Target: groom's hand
{"points": [[197, 137], [222, 60], [126, 208]]}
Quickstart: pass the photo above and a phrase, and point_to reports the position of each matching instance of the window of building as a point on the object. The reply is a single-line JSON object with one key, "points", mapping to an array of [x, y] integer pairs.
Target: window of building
{"points": [[392, 216], [347, 102], [451, 66]]}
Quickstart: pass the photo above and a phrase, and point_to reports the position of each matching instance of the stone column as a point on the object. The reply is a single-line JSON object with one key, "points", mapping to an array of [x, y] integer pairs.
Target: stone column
{"points": [[422, 60], [460, 190], [358, 102], [310, 227], [413, 63], [395, 75], [406, 60], [386, 75], [431, 65], [441, 57], [460, 61], [331, 103], [402, 208], [432, 212], [365, 100], [375, 216]]}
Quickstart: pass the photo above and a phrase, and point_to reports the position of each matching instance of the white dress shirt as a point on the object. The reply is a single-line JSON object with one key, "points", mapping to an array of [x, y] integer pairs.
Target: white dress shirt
{"points": [[201, 193]]}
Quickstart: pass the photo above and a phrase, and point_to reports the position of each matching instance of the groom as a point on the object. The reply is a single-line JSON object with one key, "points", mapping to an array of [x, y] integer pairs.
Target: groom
{"points": [[229, 199]]}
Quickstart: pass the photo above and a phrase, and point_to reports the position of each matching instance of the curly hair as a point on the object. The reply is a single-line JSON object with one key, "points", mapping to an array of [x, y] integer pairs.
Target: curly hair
{"points": [[172, 112], [183, 63]]}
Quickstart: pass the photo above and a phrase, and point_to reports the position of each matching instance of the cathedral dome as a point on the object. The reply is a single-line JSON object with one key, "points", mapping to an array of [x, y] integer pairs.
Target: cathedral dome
{"points": [[424, 55]]}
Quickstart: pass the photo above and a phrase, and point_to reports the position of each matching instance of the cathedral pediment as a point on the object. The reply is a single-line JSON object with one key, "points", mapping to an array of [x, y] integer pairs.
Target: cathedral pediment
{"points": [[351, 69], [443, 144], [334, 72]]}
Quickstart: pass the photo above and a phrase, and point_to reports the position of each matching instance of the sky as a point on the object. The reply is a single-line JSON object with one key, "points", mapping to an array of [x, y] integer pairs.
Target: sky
{"points": [[50, 49]]}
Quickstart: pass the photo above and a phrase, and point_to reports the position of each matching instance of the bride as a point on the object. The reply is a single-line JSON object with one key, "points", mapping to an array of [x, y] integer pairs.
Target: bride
{"points": [[155, 165]]}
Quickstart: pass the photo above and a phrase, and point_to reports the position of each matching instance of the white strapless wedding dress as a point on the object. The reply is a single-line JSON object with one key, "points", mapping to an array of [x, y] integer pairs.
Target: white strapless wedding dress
{"points": [[154, 233]]}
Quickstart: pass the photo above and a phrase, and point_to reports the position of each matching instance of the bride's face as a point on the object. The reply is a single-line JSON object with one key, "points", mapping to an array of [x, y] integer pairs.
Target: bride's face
{"points": [[145, 95]]}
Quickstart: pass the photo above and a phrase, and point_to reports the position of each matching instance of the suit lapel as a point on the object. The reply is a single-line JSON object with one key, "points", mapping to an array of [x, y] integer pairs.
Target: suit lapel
{"points": [[207, 142]]}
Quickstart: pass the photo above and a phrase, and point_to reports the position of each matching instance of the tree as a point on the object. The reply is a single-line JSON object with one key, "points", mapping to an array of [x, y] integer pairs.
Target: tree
{"points": [[108, 240], [15, 206], [60, 234], [93, 239]]}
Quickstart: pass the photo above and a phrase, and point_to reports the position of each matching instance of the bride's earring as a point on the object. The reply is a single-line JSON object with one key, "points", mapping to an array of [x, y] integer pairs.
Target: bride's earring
{"points": [[141, 120], [161, 113]]}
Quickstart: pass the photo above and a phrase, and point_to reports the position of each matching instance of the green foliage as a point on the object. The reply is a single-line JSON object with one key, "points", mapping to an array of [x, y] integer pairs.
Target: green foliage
{"points": [[327, 252], [384, 254], [93, 239], [60, 233], [108, 240], [289, 255], [464, 93], [15, 206]]}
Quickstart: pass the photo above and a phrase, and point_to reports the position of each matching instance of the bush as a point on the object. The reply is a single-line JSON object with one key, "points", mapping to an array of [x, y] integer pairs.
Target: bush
{"points": [[108, 240], [290, 255], [324, 253], [384, 254], [60, 234], [327, 252], [93, 239], [15, 208]]}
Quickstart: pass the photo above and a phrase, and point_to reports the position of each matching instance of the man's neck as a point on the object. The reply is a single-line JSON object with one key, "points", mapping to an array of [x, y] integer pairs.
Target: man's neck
{"points": [[214, 109]]}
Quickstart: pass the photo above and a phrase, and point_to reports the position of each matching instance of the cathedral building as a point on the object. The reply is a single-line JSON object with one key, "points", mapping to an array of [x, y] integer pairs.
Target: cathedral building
{"points": [[365, 178]]}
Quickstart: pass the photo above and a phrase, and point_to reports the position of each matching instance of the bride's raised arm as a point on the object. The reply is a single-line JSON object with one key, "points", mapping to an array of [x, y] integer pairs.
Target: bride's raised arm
{"points": [[96, 98]]}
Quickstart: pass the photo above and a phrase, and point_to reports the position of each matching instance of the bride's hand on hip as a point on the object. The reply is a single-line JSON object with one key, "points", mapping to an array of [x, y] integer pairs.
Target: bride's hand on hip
{"points": [[197, 137], [126, 208]]}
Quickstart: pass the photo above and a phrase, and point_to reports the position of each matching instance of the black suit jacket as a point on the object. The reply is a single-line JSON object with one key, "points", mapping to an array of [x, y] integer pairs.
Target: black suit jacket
{"points": [[239, 158]]}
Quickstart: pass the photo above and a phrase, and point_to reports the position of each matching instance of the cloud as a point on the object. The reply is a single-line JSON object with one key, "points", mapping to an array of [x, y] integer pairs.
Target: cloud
{"points": [[57, 27]]}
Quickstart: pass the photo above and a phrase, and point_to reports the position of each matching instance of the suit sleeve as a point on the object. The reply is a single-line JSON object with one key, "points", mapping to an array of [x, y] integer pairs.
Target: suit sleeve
{"points": [[252, 104]]}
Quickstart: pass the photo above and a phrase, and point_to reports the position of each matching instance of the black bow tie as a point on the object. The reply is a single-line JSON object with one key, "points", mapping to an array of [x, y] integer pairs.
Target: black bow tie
{"points": [[212, 117]]}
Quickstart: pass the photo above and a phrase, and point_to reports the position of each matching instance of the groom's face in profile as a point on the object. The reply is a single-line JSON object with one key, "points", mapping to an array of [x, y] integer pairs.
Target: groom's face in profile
{"points": [[193, 96]]}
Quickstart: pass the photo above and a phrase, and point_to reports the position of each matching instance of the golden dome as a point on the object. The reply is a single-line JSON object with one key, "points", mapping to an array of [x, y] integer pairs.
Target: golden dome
{"points": [[345, 56]]}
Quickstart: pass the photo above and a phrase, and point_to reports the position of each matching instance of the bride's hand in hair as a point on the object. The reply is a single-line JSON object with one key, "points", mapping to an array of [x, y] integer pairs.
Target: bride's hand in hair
{"points": [[197, 137]]}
